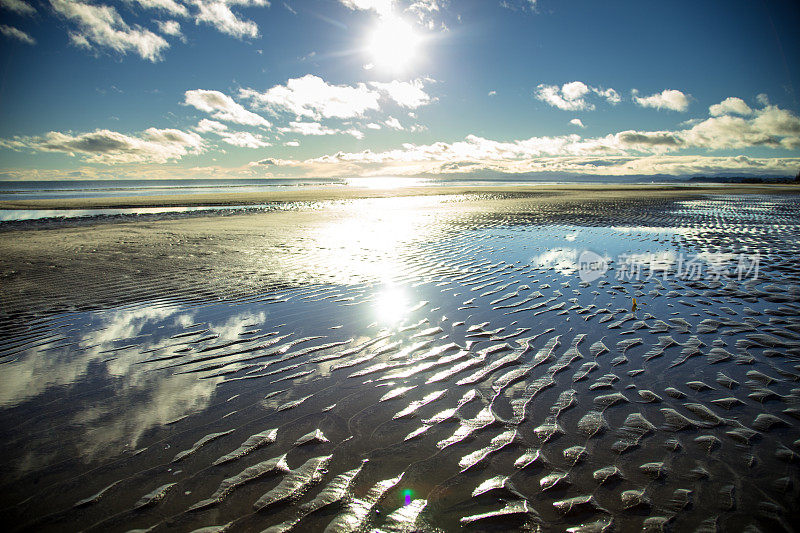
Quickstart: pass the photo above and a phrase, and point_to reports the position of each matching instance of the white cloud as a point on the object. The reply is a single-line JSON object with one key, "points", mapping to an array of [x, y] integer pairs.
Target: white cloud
{"points": [[574, 90], [218, 13], [308, 128], [405, 93], [244, 139], [577, 122], [110, 147], [170, 27], [550, 94], [762, 99], [492, 93], [393, 123], [777, 122], [426, 11], [311, 96], [405, 162], [568, 97], [103, 27], [80, 41], [610, 95], [222, 107], [771, 127], [14, 33], [292, 143], [382, 7], [373, 126], [168, 6], [315, 128], [731, 105], [704, 165], [205, 126], [20, 7], [241, 139], [519, 5], [624, 153], [443, 157], [572, 96], [666, 99]]}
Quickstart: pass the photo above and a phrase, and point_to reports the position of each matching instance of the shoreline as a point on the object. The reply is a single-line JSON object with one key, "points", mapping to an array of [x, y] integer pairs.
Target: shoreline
{"points": [[575, 191]]}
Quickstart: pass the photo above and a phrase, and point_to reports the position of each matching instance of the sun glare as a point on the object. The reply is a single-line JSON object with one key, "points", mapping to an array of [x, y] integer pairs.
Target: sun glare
{"points": [[393, 44]]}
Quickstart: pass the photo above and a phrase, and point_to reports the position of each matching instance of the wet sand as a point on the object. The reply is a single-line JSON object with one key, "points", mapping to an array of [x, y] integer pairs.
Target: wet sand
{"points": [[406, 363], [75, 264]]}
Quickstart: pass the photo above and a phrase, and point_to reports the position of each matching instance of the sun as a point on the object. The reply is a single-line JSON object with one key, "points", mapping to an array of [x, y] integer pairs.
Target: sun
{"points": [[393, 44]]}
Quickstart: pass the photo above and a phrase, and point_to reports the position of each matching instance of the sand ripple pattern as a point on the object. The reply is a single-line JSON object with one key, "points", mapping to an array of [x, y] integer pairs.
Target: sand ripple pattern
{"points": [[478, 384]]}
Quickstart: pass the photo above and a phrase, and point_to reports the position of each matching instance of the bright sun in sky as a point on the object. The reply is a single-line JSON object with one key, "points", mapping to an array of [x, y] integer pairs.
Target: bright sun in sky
{"points": [[393, 44]]}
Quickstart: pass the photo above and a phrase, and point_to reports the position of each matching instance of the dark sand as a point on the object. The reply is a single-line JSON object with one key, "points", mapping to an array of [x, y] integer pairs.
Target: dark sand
{"points": [[199, 371]]}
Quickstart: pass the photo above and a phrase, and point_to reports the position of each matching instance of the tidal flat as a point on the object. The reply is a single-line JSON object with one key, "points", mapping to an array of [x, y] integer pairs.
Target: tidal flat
{"points": [[407, 362]]}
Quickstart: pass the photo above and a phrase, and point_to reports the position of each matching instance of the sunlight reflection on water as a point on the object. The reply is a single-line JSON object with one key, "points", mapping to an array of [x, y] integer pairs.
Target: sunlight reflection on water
{"points": [[365, 241], [391, 305]]}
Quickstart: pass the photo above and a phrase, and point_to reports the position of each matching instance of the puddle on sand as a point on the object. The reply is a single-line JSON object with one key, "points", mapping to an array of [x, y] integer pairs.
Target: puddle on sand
{"points": [[459, 378]]}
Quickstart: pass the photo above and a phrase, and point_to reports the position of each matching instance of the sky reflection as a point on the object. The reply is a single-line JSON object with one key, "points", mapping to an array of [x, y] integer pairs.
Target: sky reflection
{"points": [[108, 398]]}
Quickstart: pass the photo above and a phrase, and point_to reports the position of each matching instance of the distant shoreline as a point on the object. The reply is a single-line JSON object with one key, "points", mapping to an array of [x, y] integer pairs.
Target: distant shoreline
{"points": [[574, 191]]}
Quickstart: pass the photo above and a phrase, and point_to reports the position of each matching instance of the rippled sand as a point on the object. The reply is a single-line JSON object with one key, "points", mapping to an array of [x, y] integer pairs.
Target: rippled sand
{"points": [[405, 364]]}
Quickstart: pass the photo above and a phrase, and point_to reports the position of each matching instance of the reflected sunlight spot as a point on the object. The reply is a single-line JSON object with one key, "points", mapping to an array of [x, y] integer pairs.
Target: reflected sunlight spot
{"points": [[393, 43], [367, 240], [391, 305]]}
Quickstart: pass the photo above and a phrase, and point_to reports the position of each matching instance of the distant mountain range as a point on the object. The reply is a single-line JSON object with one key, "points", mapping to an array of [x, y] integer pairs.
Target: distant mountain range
{"points": [[745, 179]]}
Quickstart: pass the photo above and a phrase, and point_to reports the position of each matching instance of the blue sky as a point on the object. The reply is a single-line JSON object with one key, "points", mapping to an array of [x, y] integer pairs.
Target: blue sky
{"points": [[257, 88]]}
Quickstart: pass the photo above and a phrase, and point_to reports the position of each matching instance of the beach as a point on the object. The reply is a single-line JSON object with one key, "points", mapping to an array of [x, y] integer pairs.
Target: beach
{"points": [[234, 254], [409, 359]]}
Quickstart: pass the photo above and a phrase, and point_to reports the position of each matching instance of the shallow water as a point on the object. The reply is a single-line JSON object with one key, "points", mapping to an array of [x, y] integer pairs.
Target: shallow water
{"points": [[432, 374]]}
